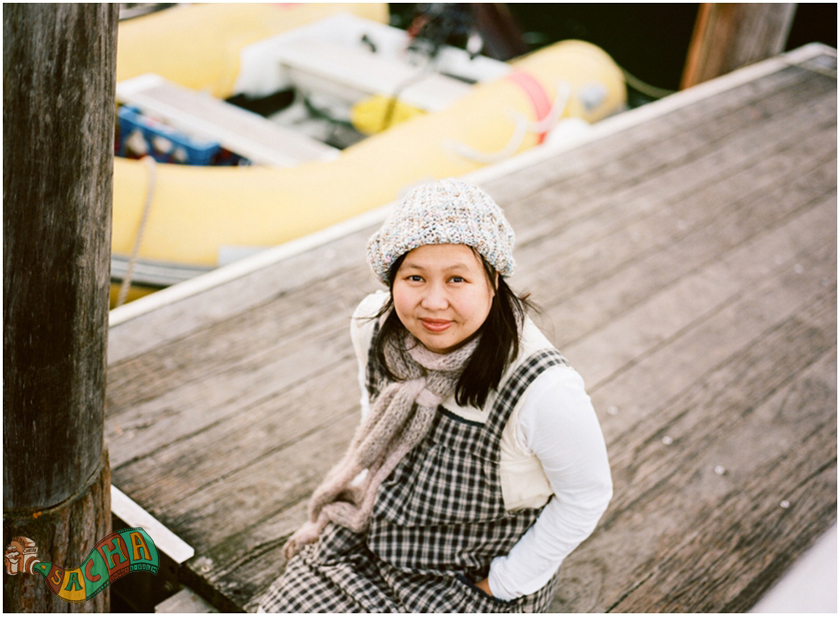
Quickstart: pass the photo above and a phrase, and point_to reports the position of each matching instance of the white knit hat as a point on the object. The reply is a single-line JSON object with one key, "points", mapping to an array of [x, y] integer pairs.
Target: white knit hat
{"points": [[445, 212]]}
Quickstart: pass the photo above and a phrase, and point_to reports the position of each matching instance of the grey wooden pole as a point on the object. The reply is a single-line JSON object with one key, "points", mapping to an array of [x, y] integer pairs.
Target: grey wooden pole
{"points": [[729, 36], [59, 72]]}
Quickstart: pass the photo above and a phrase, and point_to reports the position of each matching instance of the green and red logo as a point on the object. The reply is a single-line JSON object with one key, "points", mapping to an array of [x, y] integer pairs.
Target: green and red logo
{"points": [[117, 554]]}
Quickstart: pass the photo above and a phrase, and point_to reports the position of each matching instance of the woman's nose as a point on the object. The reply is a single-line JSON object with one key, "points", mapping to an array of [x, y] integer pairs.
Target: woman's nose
{"points": [[435, 298]]}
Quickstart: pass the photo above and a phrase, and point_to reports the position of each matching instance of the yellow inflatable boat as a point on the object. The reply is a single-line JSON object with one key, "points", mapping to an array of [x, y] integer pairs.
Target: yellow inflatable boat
{"points": [[181, 218]]}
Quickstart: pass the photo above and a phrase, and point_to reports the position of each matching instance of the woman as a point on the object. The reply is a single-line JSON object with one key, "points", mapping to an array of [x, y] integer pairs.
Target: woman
{"points": [[479, 464]]}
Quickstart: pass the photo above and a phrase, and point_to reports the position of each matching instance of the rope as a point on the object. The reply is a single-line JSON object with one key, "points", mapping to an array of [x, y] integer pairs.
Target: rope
{"points": [[150, 191], [522, 127], [646, 89]]}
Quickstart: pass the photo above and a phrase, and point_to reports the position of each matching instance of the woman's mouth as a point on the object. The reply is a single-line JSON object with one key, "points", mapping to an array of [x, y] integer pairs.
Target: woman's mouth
{"points": [[436, 325]]}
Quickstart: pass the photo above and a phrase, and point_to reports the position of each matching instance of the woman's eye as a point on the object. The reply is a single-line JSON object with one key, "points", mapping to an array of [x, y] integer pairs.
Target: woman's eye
{"points": [[457, 279], [414, 278]]}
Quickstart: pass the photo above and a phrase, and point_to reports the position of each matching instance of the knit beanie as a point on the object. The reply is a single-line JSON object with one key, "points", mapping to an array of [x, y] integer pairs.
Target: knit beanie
{"points": [[445, 212]]}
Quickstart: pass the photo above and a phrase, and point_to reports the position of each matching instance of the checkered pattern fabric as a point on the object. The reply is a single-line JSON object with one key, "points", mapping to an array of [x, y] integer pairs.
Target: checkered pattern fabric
{"points": [[439, 520]]}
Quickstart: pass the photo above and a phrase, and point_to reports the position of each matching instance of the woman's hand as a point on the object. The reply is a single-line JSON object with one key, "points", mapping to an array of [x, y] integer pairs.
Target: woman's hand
{"points": [[484, 585]]}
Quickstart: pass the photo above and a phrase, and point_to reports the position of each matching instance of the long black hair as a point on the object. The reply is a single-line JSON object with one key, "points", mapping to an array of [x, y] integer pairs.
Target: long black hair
{"points": [[498, 347]]}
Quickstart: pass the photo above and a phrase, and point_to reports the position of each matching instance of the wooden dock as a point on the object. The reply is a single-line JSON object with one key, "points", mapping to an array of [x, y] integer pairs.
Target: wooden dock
{"points": [[685, 259]]}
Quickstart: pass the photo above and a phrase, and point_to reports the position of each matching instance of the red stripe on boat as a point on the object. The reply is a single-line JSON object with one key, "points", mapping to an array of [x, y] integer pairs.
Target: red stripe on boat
{"points": [[536, 93]]}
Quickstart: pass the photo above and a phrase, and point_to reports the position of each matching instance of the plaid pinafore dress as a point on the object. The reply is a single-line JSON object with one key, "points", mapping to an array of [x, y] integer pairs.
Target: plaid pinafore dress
{"points": [[438, 522]]}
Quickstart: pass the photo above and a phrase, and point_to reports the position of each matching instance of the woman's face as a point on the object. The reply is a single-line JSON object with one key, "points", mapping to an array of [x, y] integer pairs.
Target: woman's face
{"points": [[442, 295]]}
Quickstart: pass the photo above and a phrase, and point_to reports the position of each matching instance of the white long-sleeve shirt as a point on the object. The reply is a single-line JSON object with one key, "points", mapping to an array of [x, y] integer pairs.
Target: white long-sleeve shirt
{"points": [[552, 445]]}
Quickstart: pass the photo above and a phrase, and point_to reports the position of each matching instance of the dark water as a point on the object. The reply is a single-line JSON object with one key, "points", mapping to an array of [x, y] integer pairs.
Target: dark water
{"points": [[649, 41]]}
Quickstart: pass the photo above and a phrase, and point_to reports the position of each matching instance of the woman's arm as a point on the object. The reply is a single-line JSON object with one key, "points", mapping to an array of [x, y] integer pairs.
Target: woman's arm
{"points": [[558, 424]]}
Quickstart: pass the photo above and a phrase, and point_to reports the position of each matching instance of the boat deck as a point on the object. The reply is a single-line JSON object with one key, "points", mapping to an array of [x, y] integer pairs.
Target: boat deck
{"points": [[684, 257]]}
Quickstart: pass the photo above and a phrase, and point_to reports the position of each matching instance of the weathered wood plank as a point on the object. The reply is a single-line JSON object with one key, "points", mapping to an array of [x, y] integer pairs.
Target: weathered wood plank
{"points": [[566, 275], [585, 166], [724, 564], [703, 541], [226, 372], [655, 324], [262, 487], [718, 399], [658, 485], [681, 142], [626, 337], [283, 315], [179, 469], [631, 194], [642, 389], [234, 575], [551, 212], [608, 298], [223, 394], [175, 321], [703, 425]]}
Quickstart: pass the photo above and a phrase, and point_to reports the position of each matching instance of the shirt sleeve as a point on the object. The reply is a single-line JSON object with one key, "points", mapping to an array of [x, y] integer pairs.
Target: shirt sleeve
{"points": [[361, 333], [558, 424]]}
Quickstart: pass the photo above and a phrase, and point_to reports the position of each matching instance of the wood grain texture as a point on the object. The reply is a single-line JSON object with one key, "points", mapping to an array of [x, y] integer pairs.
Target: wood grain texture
{"points": [[59, 71], [686, 266], [584, 169], [58, 101], [64, 535], [728, 36]]}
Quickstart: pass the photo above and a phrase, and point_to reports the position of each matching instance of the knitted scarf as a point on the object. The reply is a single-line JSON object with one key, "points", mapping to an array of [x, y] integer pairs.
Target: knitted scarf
{"points": [[400, 417]]}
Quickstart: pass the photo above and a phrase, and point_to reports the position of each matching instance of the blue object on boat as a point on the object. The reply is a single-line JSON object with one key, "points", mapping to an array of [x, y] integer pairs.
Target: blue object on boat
{"points": [[140, 135]]}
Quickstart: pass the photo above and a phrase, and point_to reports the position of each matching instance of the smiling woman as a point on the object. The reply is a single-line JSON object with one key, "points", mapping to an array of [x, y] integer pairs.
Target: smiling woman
{"points": [[442, 295], [479, 464]]}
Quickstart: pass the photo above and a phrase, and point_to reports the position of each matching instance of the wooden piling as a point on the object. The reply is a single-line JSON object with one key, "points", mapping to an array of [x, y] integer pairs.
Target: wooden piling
{"points": [[59, 72], [728, 36]]}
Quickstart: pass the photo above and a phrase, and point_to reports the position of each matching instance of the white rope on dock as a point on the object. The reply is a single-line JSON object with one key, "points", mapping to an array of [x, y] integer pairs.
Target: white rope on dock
{"points": [[522, 127]]}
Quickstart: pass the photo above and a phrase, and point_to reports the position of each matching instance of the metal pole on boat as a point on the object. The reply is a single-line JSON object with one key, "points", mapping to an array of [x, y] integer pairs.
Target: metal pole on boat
{"points": [[59, 74]]}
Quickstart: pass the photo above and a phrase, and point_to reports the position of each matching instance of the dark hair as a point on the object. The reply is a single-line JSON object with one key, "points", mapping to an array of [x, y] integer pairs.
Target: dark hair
{"points": [[498, 347]]}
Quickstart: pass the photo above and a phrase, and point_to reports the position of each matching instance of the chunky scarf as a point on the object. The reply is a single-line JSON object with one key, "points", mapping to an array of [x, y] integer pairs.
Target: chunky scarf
{"points": [[400, 417]]}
